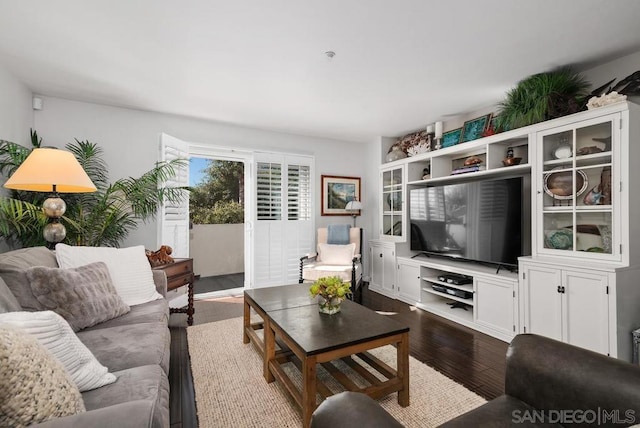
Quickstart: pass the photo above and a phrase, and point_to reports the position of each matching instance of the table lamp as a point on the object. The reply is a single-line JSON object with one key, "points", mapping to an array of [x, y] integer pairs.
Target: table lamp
{"points": [[51, 170], [354, 207]]}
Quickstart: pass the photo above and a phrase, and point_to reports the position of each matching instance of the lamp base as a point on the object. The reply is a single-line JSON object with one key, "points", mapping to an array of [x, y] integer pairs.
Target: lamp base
{"points": [[54, 232]]}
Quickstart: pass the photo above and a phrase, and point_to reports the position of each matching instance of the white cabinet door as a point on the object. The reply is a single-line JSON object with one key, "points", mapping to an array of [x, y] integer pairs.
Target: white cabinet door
{"points": [[542, 303], [389, 271], [495, 305], [383, 263], [377, 267], [567, 305], [408, 281], [585, 310]]}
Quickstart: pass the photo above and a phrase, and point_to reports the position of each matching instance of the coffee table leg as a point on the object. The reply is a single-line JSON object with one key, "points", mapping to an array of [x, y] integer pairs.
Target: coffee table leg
{"points": [[308, 389], [247, 321], [403, 369], [269, 349]]}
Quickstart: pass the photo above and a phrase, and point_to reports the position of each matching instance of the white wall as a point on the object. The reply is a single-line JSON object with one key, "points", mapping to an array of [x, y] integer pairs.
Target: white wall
{"points": [[16, 115], [217, 249], [618, 68], [130, 139]]}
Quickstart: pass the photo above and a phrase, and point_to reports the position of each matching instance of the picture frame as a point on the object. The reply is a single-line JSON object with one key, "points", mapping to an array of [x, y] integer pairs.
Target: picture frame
{"points": [[493, 123], [336, 192], [451, 138], [473, 129]]}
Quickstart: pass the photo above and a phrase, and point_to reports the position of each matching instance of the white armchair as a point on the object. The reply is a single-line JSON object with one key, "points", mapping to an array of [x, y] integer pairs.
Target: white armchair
{"points": [[344, 261]]}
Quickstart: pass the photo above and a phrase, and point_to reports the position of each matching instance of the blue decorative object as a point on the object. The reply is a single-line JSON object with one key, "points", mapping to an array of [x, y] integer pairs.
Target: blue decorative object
{"points": [[451, 138], [561, 239], [338, 234], [473, 129]]}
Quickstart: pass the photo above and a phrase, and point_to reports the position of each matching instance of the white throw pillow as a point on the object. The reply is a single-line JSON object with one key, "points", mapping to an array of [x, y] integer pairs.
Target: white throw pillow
{"points": [[336, 254], [55, 334], [129, 269]]}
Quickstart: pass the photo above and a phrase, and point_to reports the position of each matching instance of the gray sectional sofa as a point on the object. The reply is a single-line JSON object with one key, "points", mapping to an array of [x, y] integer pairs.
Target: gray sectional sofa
{"points": [[135, 347]]}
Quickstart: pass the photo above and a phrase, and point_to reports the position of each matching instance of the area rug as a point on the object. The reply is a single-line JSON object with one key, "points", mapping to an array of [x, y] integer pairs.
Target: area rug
{"points": [[231, 391]]}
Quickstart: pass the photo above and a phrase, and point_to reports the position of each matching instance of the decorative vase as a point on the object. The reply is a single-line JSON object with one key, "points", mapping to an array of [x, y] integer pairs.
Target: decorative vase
{"points": [[329, 306], [395, 154]]}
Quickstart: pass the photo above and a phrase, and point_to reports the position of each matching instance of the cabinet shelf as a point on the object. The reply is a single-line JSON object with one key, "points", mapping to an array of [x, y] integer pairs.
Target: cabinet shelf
{"points": [[569, 208], [442, 308], [464, 287], [505, 170], [449, 296]]}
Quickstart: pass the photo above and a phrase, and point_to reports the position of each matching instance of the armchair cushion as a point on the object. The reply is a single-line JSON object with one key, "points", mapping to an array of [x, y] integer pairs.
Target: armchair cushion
{"points": [[336, 254], [313, 271]]}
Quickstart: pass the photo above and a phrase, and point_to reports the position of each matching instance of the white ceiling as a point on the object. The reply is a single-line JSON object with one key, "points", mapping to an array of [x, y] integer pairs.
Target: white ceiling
{"points": [[398, 66]]}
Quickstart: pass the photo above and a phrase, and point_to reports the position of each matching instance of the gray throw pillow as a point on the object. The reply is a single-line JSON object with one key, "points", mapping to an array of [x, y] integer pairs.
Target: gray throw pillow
{"points": [[13, 265], [84, 296]]}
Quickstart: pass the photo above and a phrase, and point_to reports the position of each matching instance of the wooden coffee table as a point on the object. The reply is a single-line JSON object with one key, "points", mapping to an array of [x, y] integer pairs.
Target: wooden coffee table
{"points": [[312, 338]]}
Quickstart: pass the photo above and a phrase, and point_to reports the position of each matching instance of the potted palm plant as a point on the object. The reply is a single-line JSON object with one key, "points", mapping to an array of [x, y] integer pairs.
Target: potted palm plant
{"points": [[102, 218]]}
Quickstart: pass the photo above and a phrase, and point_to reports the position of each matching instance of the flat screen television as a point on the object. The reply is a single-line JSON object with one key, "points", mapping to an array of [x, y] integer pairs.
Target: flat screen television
{"points": [[478, 221]]}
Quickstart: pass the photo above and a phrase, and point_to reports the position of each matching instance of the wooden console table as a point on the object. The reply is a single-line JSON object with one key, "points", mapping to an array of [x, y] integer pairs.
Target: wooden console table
{"points": [[178, 274]]}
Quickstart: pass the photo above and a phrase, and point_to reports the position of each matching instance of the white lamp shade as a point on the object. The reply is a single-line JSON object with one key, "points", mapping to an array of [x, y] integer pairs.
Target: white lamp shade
{"points": [[353, 206], [45, 168]]}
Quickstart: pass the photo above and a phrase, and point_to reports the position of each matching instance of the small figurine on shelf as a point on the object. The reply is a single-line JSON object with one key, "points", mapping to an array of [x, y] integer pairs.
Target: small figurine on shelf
{"points": [[510, 160], [426, 173]]}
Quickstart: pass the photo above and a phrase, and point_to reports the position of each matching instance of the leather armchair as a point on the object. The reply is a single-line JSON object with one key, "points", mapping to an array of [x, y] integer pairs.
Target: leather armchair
{"points": [[547, 383]]}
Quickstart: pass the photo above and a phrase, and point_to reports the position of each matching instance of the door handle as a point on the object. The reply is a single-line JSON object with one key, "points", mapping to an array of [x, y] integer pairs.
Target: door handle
{"points": [[380, 254]]}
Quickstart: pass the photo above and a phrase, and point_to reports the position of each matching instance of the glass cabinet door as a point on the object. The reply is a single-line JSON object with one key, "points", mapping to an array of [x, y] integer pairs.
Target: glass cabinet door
{"points": [[392, 202], [575, 187]]}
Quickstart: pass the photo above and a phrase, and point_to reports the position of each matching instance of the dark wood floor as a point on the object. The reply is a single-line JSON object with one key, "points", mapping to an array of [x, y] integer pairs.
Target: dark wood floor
{"points": [[470, 358], [208, 284]]}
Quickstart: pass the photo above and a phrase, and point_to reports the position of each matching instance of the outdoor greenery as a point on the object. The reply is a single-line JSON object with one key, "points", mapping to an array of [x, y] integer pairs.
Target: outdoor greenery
{"points": [[219, 198], [102, 218], [542, 97]]}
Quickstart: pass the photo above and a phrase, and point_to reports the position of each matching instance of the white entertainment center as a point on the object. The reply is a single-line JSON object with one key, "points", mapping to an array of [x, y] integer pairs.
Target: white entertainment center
{"points": [[580, 282]]}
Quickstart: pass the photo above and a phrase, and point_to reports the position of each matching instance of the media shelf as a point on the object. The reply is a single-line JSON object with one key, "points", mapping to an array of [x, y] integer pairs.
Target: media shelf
{"points": [[464, 288], [490, 306]]}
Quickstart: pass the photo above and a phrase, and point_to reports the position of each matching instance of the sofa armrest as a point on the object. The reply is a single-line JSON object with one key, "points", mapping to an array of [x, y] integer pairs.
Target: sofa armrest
{"points": [[548, 374], [135, 414], [351, 409], [160, 279]]}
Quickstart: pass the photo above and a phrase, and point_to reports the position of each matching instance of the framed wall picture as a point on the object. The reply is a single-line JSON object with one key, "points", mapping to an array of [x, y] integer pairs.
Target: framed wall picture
{"points": [[336, 192], [451, 138], [473, 129]]}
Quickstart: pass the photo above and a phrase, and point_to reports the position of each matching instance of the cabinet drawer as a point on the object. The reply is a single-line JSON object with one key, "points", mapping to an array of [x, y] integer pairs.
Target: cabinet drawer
{"points": [[180, 267], [178, 281]]}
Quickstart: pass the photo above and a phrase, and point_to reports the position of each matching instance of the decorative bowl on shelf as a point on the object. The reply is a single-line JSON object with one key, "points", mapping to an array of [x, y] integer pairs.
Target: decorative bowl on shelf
{"points": [[559, 185], [511, 161]]}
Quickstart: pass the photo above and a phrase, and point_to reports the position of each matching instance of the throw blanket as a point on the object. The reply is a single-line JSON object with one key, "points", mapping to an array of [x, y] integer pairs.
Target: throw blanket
{"points": [[338, 234]]}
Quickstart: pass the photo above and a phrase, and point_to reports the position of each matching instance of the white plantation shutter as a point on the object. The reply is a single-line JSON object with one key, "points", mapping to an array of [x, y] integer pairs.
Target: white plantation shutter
{"points": [[298, 192], [174, 217], [269, 191], [284, 227]]}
